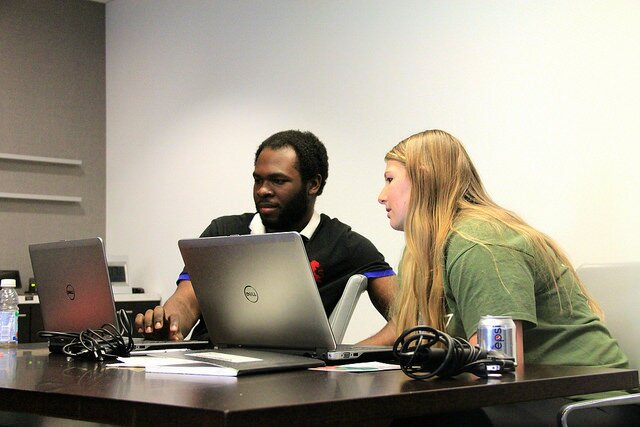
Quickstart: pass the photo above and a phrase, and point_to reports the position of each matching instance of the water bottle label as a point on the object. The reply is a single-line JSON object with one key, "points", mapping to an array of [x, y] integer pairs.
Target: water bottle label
{"points": [[8, 326]]}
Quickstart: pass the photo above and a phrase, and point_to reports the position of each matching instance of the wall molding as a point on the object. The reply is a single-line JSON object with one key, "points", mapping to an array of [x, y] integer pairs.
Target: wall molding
{"points": [[40, 159], [41, 197]]}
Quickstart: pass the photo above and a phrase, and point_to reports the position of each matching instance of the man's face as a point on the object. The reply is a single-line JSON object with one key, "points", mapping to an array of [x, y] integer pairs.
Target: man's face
{"points": [[281, 198]]}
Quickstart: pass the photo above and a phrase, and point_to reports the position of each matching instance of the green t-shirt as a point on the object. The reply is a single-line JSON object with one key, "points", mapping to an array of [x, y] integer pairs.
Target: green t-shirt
{"points": [[502, 276]]}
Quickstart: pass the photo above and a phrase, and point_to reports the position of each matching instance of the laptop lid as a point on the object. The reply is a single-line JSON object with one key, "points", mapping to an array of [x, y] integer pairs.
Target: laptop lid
{"points": [[75, 292], [73, 285], [258, 291]]}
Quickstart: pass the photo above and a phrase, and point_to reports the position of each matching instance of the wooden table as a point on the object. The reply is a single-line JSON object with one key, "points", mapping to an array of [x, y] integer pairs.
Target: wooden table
{"points": [[32, 381]]}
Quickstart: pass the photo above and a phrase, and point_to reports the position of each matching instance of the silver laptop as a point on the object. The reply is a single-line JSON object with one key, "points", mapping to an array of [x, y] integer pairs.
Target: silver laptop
{"points": [[258, 291], [75, 292]]}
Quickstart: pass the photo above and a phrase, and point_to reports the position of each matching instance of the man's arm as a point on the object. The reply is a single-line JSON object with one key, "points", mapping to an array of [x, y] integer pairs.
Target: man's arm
{"points": [[175, 319], [381, 291], [386, 336]]}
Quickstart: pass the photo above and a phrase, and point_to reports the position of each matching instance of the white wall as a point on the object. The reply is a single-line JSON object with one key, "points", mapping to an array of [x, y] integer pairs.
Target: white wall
{"points": [[544, 95]]}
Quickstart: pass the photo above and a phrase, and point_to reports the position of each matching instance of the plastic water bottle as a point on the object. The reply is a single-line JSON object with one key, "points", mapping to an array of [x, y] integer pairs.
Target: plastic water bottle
{"points": [[8, 313]]}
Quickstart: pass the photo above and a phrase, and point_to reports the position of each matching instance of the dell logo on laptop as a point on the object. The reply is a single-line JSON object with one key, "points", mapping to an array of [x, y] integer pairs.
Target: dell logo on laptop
{"points": [[71, 293], [250, 293]]}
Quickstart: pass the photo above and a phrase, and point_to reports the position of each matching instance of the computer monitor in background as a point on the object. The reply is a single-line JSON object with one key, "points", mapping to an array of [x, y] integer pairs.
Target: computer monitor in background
{"points": [[118, 276]]}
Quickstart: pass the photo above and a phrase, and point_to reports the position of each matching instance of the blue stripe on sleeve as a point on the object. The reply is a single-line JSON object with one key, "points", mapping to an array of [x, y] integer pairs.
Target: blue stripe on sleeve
{"points": [[183, 276], [381, 273]]}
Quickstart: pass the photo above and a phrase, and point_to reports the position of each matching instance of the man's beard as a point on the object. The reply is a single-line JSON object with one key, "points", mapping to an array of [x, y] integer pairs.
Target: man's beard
{"points": [[290, 214]]}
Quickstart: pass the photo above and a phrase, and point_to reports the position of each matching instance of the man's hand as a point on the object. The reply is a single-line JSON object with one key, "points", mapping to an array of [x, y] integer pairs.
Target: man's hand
{"points": [[174, 320], [154, 325], [386, 336]]}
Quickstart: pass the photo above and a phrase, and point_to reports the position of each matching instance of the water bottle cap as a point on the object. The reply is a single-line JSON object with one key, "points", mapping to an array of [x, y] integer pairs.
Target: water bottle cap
{"points": [[8, 283]]}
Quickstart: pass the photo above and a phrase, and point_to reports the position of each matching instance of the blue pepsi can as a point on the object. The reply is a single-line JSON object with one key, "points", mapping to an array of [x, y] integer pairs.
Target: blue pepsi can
{"points": [[498, 333]]}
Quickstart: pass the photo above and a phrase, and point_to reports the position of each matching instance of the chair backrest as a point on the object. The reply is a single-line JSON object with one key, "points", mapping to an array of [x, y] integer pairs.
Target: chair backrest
{"points": [[616, 287], [341, 314]]}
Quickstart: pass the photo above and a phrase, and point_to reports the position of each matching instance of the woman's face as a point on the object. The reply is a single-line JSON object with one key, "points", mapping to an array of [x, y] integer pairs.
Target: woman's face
{"points": [[395, 194]]}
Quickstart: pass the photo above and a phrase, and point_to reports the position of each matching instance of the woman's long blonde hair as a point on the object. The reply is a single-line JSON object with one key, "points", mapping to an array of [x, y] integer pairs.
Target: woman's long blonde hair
{"points": [[445, 186]]}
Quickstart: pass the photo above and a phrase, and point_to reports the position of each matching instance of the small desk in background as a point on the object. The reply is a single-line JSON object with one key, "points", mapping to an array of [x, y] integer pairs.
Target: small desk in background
{"points": [[30, 319], [33, 381]]}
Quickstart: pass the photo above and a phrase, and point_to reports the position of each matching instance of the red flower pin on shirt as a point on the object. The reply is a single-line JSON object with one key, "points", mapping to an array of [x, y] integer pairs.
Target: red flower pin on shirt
{"points": [[318, 271]]}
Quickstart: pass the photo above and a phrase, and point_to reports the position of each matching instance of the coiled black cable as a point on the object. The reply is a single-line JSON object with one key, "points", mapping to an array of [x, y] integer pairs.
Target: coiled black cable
{"points": [[419, 359], [96, 344]]}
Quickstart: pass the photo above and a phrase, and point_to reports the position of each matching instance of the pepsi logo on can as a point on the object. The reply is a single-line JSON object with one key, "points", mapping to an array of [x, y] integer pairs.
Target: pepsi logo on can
{"points": [[498, 333]]}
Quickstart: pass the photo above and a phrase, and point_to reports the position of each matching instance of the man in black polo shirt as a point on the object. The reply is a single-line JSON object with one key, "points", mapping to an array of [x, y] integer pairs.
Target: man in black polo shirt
{"points": [[290, 171]]}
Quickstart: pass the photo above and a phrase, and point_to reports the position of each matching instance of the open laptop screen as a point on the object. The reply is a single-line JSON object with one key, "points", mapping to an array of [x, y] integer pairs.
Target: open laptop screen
{"points": [[73, 285]]}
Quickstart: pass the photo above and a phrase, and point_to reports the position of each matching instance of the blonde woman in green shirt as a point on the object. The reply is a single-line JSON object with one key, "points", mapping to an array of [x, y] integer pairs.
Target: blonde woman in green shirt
{"points": [[466, 257]]}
